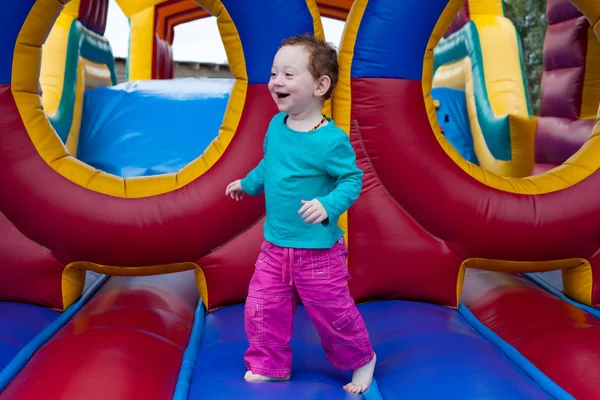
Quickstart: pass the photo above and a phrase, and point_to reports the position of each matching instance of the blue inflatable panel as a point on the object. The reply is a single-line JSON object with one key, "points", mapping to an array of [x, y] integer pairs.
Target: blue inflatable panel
{"points": [[429, 351], [11, 22], [151, 127], [261, 33], [19, 324], [453, 117], [392, 38], [424, 351]]}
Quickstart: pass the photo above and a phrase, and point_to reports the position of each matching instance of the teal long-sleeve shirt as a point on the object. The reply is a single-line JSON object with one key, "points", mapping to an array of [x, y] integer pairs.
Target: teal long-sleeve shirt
{"points": [[319, 164]]}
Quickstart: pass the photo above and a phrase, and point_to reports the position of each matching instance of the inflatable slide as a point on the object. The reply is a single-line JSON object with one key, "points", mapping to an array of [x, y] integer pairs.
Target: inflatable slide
{"points": [[124, 269]]}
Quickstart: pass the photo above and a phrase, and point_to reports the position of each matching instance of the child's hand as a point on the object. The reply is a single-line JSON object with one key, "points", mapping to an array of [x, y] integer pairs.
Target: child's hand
{"points": [[234, 189], [313, 210]]}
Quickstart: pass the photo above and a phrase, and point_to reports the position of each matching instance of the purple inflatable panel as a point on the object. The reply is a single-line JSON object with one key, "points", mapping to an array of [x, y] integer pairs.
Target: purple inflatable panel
{"points": [[557, 139]]}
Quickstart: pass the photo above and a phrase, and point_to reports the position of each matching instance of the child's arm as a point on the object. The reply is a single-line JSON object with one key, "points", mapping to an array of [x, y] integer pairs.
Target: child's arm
{"points": [[254, 182], [340, 163]]}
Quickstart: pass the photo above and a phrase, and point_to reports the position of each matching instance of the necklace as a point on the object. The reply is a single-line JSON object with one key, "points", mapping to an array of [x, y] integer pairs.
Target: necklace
{"points": [[315, 127], [320, 123]]}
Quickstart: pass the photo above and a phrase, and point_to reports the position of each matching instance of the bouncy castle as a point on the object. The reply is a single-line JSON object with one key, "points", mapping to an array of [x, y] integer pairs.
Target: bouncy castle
{"points": [[124, 268]]}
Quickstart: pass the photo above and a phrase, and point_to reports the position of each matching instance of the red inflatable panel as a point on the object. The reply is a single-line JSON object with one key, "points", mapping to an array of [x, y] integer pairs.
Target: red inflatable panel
{"points": [[462, 18], [560, 10], [30, 273], [79, 224], [162, 63], [389, 253], [565, 49], [126, 343], [93, 14], [472, 218], [558, 337], [228, 269], [557, 139]]}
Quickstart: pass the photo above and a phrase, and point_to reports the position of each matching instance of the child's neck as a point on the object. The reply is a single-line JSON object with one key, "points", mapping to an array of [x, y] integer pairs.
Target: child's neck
{"points": [[305, 121]]}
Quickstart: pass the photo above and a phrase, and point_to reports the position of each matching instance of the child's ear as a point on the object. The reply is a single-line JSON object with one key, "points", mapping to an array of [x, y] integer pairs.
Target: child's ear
{"points": [[323, 84]]}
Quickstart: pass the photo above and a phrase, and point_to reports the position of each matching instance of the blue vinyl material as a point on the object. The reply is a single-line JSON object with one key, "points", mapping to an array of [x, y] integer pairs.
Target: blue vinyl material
{"points": [[423, 351], [151, 127], [453, 117], [19, 324], [220, 368], [190, 356], [37, 334], [561, 295], [405, 28], [495, 129], [11, 20], [262, 32]]}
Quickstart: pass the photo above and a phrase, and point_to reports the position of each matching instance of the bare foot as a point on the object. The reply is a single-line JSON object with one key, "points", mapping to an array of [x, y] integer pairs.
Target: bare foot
{"points": [[250, 377], [362, 377]]}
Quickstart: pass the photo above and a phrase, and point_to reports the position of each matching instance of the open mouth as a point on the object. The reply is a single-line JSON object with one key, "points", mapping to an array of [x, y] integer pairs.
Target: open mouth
{"points": [[282, 95]]}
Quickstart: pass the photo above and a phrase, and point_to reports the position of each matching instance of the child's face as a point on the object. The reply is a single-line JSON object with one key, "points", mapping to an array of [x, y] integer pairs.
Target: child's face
{"points": [[292, 86]]}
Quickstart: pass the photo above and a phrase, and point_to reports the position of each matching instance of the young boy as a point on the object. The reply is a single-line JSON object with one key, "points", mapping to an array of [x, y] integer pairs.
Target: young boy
{"points": [[309, 176]]}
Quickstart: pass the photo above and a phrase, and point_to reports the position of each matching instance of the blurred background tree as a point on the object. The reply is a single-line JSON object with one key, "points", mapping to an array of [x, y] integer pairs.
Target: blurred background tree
{"points": [[529, 18]]}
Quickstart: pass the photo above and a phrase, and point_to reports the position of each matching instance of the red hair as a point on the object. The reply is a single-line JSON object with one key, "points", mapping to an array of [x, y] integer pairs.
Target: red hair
{"points": [[322, 60]]}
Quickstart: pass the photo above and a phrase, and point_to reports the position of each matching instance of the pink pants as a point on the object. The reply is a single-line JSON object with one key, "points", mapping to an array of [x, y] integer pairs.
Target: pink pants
{"points": [[318, 277]]}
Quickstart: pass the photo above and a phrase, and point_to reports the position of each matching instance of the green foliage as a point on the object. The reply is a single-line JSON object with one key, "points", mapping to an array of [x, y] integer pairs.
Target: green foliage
{"points": [[529, 18]]}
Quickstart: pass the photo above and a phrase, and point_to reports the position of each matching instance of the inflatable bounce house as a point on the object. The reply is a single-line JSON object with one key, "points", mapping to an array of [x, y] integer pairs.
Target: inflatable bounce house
{"points": [[484, 106], [124, 268]]}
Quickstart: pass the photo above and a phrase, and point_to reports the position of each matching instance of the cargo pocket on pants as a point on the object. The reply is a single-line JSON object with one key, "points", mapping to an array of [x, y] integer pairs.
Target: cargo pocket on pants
{"points": [[277, 318], [347, 328], [253, 320]]}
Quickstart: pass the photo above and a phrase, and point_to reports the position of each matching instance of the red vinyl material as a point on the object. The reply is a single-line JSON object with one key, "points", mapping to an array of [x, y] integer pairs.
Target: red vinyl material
{"points": [[79, 224], [93, 14], [557, 337], [162, 63], [228, 269], [473, 219], [126, 343], [26, 265], [390, 254]]}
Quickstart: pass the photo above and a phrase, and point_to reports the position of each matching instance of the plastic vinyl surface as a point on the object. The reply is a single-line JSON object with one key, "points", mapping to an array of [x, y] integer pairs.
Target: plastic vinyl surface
{"points": [[556, 336], [19, 324], [453, 118], [126, 343], [151, 127], [424, 351]]}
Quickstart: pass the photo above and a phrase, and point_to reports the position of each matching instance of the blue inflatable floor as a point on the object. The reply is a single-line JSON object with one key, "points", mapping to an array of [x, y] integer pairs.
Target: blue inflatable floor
{"points": [[24, 325], [424, 351], [19, 324]]}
